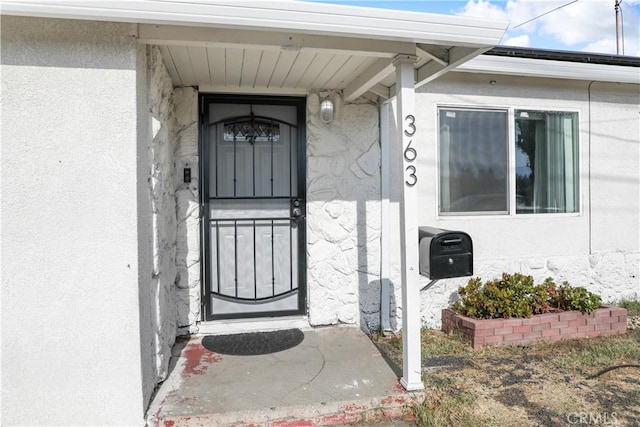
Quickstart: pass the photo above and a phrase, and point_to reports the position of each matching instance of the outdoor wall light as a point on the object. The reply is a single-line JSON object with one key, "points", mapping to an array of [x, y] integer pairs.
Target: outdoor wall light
{"points": [[326, 111]]}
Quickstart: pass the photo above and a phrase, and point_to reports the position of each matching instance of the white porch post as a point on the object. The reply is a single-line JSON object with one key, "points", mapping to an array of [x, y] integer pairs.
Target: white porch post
{"points": [[407, 132], [385, 153]]}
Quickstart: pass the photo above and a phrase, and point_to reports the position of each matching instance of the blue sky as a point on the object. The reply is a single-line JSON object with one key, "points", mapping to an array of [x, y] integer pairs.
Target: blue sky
{"points": [[584, 25]]}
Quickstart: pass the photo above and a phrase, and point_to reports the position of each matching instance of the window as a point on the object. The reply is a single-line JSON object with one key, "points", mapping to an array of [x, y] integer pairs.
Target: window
{"points": [[546, 161], [474, 147], [474, 161]]}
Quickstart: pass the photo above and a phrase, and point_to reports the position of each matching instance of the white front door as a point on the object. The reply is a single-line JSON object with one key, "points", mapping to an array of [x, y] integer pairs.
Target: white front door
{"points": [[253, 166]]}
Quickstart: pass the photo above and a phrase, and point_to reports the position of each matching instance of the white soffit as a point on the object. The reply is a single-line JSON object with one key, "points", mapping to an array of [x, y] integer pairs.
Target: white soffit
{"points": [[298, 16], [551, 69]]}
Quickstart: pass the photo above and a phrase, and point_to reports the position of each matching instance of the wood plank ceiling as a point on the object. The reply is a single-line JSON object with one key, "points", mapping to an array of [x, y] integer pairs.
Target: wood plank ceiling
{"points": [[231, 60], [297, 70]]}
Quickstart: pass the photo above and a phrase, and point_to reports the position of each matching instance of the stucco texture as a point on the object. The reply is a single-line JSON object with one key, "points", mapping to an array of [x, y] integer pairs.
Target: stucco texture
{"points": [[71, 227]]}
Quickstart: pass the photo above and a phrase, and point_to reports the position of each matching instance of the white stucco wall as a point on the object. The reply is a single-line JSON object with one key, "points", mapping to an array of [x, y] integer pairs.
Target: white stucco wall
{"points": [[343, 215], [599, 248], [74, 217]]}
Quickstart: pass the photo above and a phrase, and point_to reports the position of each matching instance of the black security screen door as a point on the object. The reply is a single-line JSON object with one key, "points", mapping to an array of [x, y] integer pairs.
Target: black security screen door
{"points": [[253, 189]]}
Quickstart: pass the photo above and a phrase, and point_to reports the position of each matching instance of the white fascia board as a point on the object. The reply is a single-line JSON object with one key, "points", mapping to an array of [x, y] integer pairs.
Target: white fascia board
{"points": [[550, 69], [298, 16]]}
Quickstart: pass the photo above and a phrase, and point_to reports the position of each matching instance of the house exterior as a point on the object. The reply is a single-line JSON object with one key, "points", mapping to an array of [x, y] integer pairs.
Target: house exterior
{"points": [[597, 98], [169, 166]]}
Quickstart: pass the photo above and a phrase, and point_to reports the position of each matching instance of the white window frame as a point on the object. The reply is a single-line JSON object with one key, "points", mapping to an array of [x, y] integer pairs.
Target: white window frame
{"points": [[511, 155]]}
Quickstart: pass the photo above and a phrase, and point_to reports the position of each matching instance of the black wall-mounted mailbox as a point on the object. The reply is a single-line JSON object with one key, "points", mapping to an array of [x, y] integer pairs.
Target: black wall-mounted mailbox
{"points": [[445, 254]]}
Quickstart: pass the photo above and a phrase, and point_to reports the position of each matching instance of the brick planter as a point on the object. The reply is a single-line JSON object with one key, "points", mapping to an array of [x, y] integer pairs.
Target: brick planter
{"points": [[608, 320]]}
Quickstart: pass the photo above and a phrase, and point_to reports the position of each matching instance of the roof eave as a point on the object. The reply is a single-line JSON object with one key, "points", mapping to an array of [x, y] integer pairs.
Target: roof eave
{"points": [[545, 68], [295, 16]]}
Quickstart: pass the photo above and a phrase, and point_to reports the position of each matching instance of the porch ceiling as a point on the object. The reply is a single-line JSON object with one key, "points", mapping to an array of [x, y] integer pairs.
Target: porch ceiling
{"points": [[224, 60], [253, 68]]}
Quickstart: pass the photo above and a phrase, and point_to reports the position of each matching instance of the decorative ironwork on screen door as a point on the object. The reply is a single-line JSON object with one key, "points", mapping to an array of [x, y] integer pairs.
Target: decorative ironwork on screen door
{"points": [[254, 214]]}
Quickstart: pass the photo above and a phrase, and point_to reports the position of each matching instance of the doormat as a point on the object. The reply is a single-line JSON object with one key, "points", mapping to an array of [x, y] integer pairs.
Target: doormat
{"points": [[253, 343]]}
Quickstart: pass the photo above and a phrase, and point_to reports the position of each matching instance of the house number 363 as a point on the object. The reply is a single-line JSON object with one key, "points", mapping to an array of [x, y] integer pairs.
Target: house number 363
{"points": [[410, 153]]}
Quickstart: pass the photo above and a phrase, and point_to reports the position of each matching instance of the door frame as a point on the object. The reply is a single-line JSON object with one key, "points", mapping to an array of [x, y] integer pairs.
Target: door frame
{"points": [[204, 100]]}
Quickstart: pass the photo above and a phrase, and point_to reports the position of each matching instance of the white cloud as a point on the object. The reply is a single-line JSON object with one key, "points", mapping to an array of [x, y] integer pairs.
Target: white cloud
{"points": [[601, 46], [580, 22], [521, 41], [483, 9], [586, 25]]}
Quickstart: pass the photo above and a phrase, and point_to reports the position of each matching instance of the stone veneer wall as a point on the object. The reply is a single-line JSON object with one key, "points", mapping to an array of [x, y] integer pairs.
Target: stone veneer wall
{"points": [[343, 211], [187, 211], [343, 215], [163, 233], [175, 280]]}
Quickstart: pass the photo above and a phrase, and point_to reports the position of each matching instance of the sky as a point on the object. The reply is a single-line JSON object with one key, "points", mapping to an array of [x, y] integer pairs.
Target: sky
{"points": [[581, 25]]}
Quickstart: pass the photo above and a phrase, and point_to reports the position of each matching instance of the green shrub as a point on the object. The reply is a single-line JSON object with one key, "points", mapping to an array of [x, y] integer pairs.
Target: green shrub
{"points": [[516, 295], [578, 298]]}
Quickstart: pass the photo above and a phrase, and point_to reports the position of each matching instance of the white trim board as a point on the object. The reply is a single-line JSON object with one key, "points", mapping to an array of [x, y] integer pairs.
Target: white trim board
{"points": [[298, 16], [545, 68]]}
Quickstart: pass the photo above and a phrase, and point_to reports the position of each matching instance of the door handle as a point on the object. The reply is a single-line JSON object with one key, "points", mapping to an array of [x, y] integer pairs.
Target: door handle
{"points": [[296, 208], [296, 212]]}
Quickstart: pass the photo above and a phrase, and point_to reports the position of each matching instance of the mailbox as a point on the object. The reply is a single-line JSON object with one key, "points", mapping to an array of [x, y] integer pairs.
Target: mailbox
{"points": [[444, 253]]}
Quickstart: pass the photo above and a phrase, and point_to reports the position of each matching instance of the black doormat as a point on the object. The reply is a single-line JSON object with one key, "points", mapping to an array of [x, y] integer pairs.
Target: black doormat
{"points": [[254, 343]]}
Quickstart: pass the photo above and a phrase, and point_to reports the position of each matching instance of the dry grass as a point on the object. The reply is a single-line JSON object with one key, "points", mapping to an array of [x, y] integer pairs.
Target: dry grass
{"points": [[632, 304], [575, 382]]}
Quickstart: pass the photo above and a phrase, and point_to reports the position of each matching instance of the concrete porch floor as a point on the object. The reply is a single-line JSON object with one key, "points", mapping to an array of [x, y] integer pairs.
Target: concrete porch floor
{"points": [[334, 376]]}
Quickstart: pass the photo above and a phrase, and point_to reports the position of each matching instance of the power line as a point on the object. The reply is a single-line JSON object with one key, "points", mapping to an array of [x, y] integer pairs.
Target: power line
{"points": [[546, 13]]}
